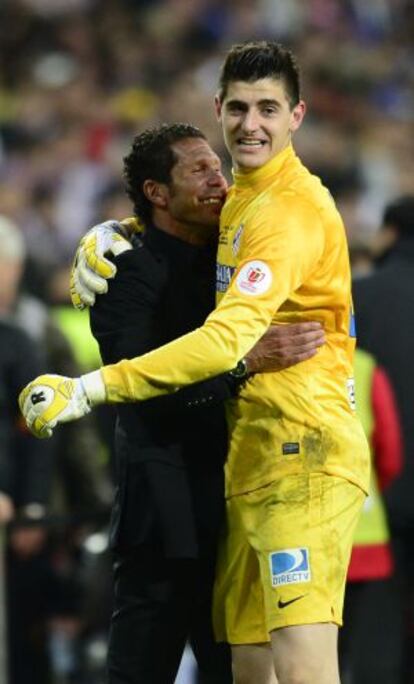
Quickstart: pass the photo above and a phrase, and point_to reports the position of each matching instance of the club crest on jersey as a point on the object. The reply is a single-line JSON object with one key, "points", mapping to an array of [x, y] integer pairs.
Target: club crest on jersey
{"points": [[237, 239], [290, 566], [254, 278]]}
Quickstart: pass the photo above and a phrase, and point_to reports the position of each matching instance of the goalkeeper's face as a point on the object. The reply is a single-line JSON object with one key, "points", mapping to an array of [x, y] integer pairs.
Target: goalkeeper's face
{"points": [[258, 121], [198, 188]]}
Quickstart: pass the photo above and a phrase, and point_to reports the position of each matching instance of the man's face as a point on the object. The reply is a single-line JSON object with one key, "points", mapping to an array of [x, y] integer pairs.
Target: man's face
{"points": [[257, 121], [197, 190]]}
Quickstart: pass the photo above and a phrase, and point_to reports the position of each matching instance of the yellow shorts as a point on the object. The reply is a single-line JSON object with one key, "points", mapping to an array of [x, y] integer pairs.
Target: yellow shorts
{"points": [[284, 555]]}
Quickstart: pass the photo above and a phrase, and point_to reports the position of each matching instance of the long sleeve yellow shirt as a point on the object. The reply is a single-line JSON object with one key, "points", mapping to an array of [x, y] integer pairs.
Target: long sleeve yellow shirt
{"points": [[282, 258]]}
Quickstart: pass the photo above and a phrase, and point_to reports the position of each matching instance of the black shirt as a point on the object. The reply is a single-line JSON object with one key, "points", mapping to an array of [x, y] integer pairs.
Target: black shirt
{"points": [[170, 450]]}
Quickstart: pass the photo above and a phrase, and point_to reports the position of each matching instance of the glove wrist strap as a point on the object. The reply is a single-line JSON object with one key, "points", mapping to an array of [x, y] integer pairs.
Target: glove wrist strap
{"points": [[94, 387]]}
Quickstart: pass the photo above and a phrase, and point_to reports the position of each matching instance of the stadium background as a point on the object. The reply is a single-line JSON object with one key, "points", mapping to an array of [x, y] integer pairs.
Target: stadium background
{"points": [[78, 78]]}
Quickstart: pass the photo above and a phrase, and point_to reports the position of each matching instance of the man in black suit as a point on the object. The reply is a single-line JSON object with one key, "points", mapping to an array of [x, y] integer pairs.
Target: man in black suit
{"points": [[170, 451], [25, 474], [384, 304]]}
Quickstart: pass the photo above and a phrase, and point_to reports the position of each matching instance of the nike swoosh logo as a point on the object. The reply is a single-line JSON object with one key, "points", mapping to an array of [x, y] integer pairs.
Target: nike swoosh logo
{"points": [[283, 604]]}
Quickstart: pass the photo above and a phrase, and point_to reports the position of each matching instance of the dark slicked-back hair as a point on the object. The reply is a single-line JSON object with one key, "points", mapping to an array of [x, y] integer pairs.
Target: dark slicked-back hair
{"points": [[254, 60], [152, 157]]}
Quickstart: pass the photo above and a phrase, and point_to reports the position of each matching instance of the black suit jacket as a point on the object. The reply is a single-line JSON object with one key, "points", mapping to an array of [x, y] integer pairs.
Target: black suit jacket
{"points": [[169, 450], [384, 309], [25, 462]]}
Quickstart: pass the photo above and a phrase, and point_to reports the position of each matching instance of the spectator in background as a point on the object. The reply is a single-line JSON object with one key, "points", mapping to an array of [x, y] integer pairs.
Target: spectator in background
{"points": [[68, 475], [384, 302], [77, 85], [54, 335], [25, 469], [370, 641], [27, 311], [24, 479]]}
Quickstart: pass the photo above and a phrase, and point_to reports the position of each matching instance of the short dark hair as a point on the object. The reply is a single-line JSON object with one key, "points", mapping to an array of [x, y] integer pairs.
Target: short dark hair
{"points": [[253, 60], [400, 215], [152, 157]]}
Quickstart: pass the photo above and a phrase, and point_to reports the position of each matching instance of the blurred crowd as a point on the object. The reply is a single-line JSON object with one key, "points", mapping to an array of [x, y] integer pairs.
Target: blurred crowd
{"points": [[78, 78]]}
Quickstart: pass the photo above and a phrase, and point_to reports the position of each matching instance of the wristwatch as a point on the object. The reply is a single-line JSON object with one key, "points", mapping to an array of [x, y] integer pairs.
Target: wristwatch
{"points": [[240, 372]]}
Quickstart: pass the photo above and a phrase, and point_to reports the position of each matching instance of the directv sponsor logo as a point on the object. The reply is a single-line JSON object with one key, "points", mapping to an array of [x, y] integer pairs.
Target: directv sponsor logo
{"points": [[224, 275], [290, 566]]}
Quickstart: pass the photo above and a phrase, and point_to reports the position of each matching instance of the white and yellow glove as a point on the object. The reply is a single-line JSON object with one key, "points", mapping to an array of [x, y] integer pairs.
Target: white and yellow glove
{"points": [[90, 269], [52, 399]]}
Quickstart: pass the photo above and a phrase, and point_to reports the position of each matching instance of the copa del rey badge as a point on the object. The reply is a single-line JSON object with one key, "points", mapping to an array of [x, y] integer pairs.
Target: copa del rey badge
{"points": [[254, 278]]}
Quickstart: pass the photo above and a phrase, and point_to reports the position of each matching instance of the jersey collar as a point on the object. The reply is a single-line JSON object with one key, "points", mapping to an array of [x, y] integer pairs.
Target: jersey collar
{"points": [[261, 176]]}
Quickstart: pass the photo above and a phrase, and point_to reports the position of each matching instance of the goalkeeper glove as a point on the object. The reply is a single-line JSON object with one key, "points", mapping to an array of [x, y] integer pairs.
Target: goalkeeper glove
{"points": [[52, 399], [90, 269]]}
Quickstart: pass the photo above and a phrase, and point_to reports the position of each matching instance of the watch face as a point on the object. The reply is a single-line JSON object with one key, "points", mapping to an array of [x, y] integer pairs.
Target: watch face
{"points": [[240, 371], [241, 368]]}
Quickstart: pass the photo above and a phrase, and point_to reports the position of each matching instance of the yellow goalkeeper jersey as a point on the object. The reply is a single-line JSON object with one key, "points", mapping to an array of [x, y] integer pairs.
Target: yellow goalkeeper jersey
{"points": [[282, 258]]}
